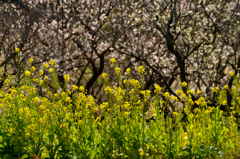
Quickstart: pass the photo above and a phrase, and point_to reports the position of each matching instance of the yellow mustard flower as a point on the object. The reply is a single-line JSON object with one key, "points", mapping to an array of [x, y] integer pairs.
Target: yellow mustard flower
{"points": [[127, 105], [113, 60], [52, 62], [226, 87], [108, 90], [17, 50], [74, 87], [66, 77], [141, 70], [50, 70], [104, 105], [185, 136], [128, 70], [82, 88], [32, 69], [157, 88], [174, 98], [104, 75], [199, 92], [231, 73], [27, 134], [45, 78], [30, 60], [179, 92], [135, 83], [214, 89], [36, 100], [41, 72], [184, 84], [175, 113], [141, 152], [31, 127], [117, 70], [27, 73], [45, 65], [41, 82], [125, 81], [224, 102], [190, 92], [10, 130], [167, 95]]}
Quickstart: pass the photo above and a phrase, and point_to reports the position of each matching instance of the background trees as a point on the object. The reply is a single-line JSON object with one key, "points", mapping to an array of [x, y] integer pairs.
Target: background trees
{"points": [[176, 41]]}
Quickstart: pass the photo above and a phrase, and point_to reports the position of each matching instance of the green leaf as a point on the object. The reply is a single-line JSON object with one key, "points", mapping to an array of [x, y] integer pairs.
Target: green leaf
{"points": [[93, 153], [24, 156]]}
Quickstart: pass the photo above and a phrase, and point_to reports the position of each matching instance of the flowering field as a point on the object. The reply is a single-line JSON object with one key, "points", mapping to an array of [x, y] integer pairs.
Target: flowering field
{"points": [[132, 123]]}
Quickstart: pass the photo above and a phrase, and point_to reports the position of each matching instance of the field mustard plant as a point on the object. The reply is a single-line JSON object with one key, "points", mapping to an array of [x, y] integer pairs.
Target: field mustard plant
{"points": [[70, 122]]}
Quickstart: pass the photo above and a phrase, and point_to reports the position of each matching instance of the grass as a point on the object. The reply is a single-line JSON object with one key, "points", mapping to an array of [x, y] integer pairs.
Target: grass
{"points": [[57, 126]]}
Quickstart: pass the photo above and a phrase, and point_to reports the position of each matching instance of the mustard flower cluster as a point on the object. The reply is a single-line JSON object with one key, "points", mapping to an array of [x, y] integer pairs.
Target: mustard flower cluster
{"points": [[174, 98], [108, 90], [135, 83], [157, 89], [113, 60], [128, 70], [27, 73], [32, 69], [117, 70], [52, 63], [104, 75], [167, 95], [30, 60], [66, 77], [141, 70], [214, 89], [184, 84]]}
